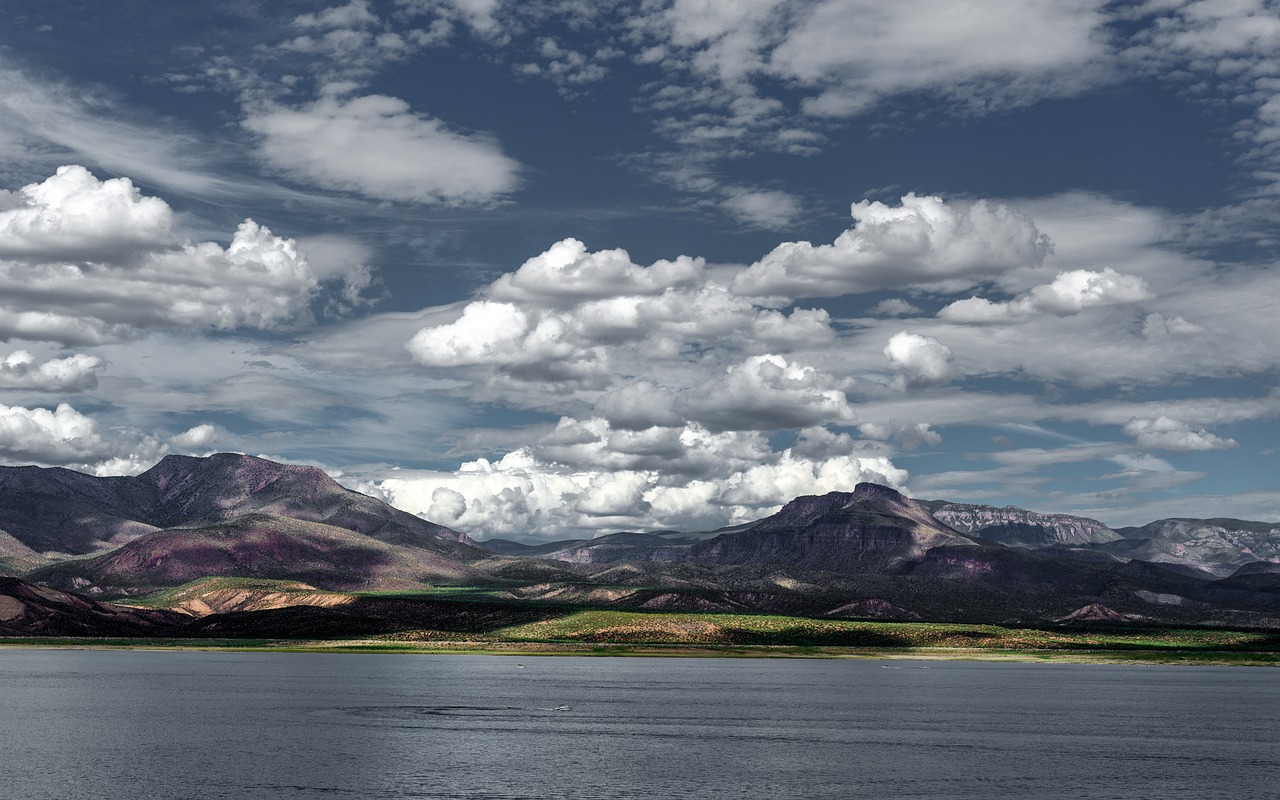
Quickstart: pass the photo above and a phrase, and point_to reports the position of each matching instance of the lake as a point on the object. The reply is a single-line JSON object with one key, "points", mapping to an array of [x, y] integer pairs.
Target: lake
{"points": [[169, 724]]}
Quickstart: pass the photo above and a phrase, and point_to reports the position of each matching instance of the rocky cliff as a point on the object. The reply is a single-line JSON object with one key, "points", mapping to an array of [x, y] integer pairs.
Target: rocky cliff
{"points": [[1017, 527]]}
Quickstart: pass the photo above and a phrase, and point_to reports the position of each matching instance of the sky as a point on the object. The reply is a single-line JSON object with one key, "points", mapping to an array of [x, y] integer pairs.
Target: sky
{"points": [[556, 268]]}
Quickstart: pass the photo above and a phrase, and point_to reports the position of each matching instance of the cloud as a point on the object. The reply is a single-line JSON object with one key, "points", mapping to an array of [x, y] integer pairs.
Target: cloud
{"points": [[566, 273], [639, 406], [919, 361], [353, 14], [896, 307], [723, 60], [568, 314], [376, 146], [522, 495], [52, 123], [481, 16], [60, 436], [74, 216], [341, 262], [77, 373], [65, 437], [198, 438], [126, 274], [766, 209], [921, 242], [1070, 293], [567, 68], [690, 449], [767, 393], [1229, 49], [1163, 433], [910, 436], [491, 333], [855, 52]]}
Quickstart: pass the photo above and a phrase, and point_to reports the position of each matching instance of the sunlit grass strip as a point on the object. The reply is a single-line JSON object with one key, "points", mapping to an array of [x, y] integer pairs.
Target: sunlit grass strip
{"points": [[600, 626]]}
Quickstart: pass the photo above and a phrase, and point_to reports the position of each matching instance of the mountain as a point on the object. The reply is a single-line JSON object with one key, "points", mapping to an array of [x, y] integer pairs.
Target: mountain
{"points": [[258, 545], [60, 511], [224, 515], [871, 529], [868, 529], [303, 540], [1216, 546], [610, 548], [1017, 527]]}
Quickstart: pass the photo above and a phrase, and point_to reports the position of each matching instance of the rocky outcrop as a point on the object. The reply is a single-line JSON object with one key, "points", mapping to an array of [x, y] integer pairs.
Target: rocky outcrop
{"points": [[1096, 612], [874, 608], [1017, 527]]}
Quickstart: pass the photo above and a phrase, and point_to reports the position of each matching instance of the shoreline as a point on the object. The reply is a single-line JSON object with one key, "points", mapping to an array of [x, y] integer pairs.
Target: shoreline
{"points": [[662, 650]]}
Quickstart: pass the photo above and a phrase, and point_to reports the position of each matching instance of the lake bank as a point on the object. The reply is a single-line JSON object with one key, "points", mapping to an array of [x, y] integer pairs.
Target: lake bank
{"points": [[1166, 655]]}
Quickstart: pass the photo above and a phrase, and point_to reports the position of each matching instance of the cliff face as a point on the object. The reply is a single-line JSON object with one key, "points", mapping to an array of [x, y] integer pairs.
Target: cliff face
{"points": [[1018, 527]]}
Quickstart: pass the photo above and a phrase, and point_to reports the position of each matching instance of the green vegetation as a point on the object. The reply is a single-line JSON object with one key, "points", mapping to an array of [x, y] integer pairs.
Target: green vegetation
{"points": [[603, 632], [592, 626]]}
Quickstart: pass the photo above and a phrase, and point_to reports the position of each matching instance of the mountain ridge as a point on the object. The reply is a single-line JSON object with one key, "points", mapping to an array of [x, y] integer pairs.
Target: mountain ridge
{"points": [[872, 552]]}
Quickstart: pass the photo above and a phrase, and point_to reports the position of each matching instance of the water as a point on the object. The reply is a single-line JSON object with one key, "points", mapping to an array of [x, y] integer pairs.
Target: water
{"points": [[95, 724]]}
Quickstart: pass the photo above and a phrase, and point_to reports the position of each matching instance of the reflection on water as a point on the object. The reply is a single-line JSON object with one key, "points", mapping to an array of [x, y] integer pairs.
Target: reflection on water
{"points": [[93, 724]]}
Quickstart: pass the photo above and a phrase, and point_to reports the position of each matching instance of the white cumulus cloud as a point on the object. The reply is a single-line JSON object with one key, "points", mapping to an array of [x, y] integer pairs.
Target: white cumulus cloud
{"points": [[197, 438], [525, 496], [768, 392], [1070, 293], [73, 216], [568, 273], [919, 361], [492, 333], [142, 276], [1165, 433], [76, 373], [923, 241]]}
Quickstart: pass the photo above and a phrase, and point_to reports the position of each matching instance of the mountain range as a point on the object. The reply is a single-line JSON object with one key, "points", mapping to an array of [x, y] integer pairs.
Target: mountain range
{"points": [[232, 544]]}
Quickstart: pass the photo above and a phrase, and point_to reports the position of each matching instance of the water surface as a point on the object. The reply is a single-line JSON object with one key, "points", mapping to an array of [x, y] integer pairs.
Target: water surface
{"points": [[120, 724]]}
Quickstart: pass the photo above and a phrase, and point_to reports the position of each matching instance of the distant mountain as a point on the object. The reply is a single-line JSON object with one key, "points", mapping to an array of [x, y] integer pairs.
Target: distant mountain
{"points": [[224, 515], [610, 548], [60, 511], [1218, 546], [1017, 527], [300, 539], [871, 529], [258, 545]]}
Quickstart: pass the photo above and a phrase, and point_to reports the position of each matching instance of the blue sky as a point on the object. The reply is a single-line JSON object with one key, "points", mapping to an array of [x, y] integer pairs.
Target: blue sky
{"points": [[541, 269]]}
